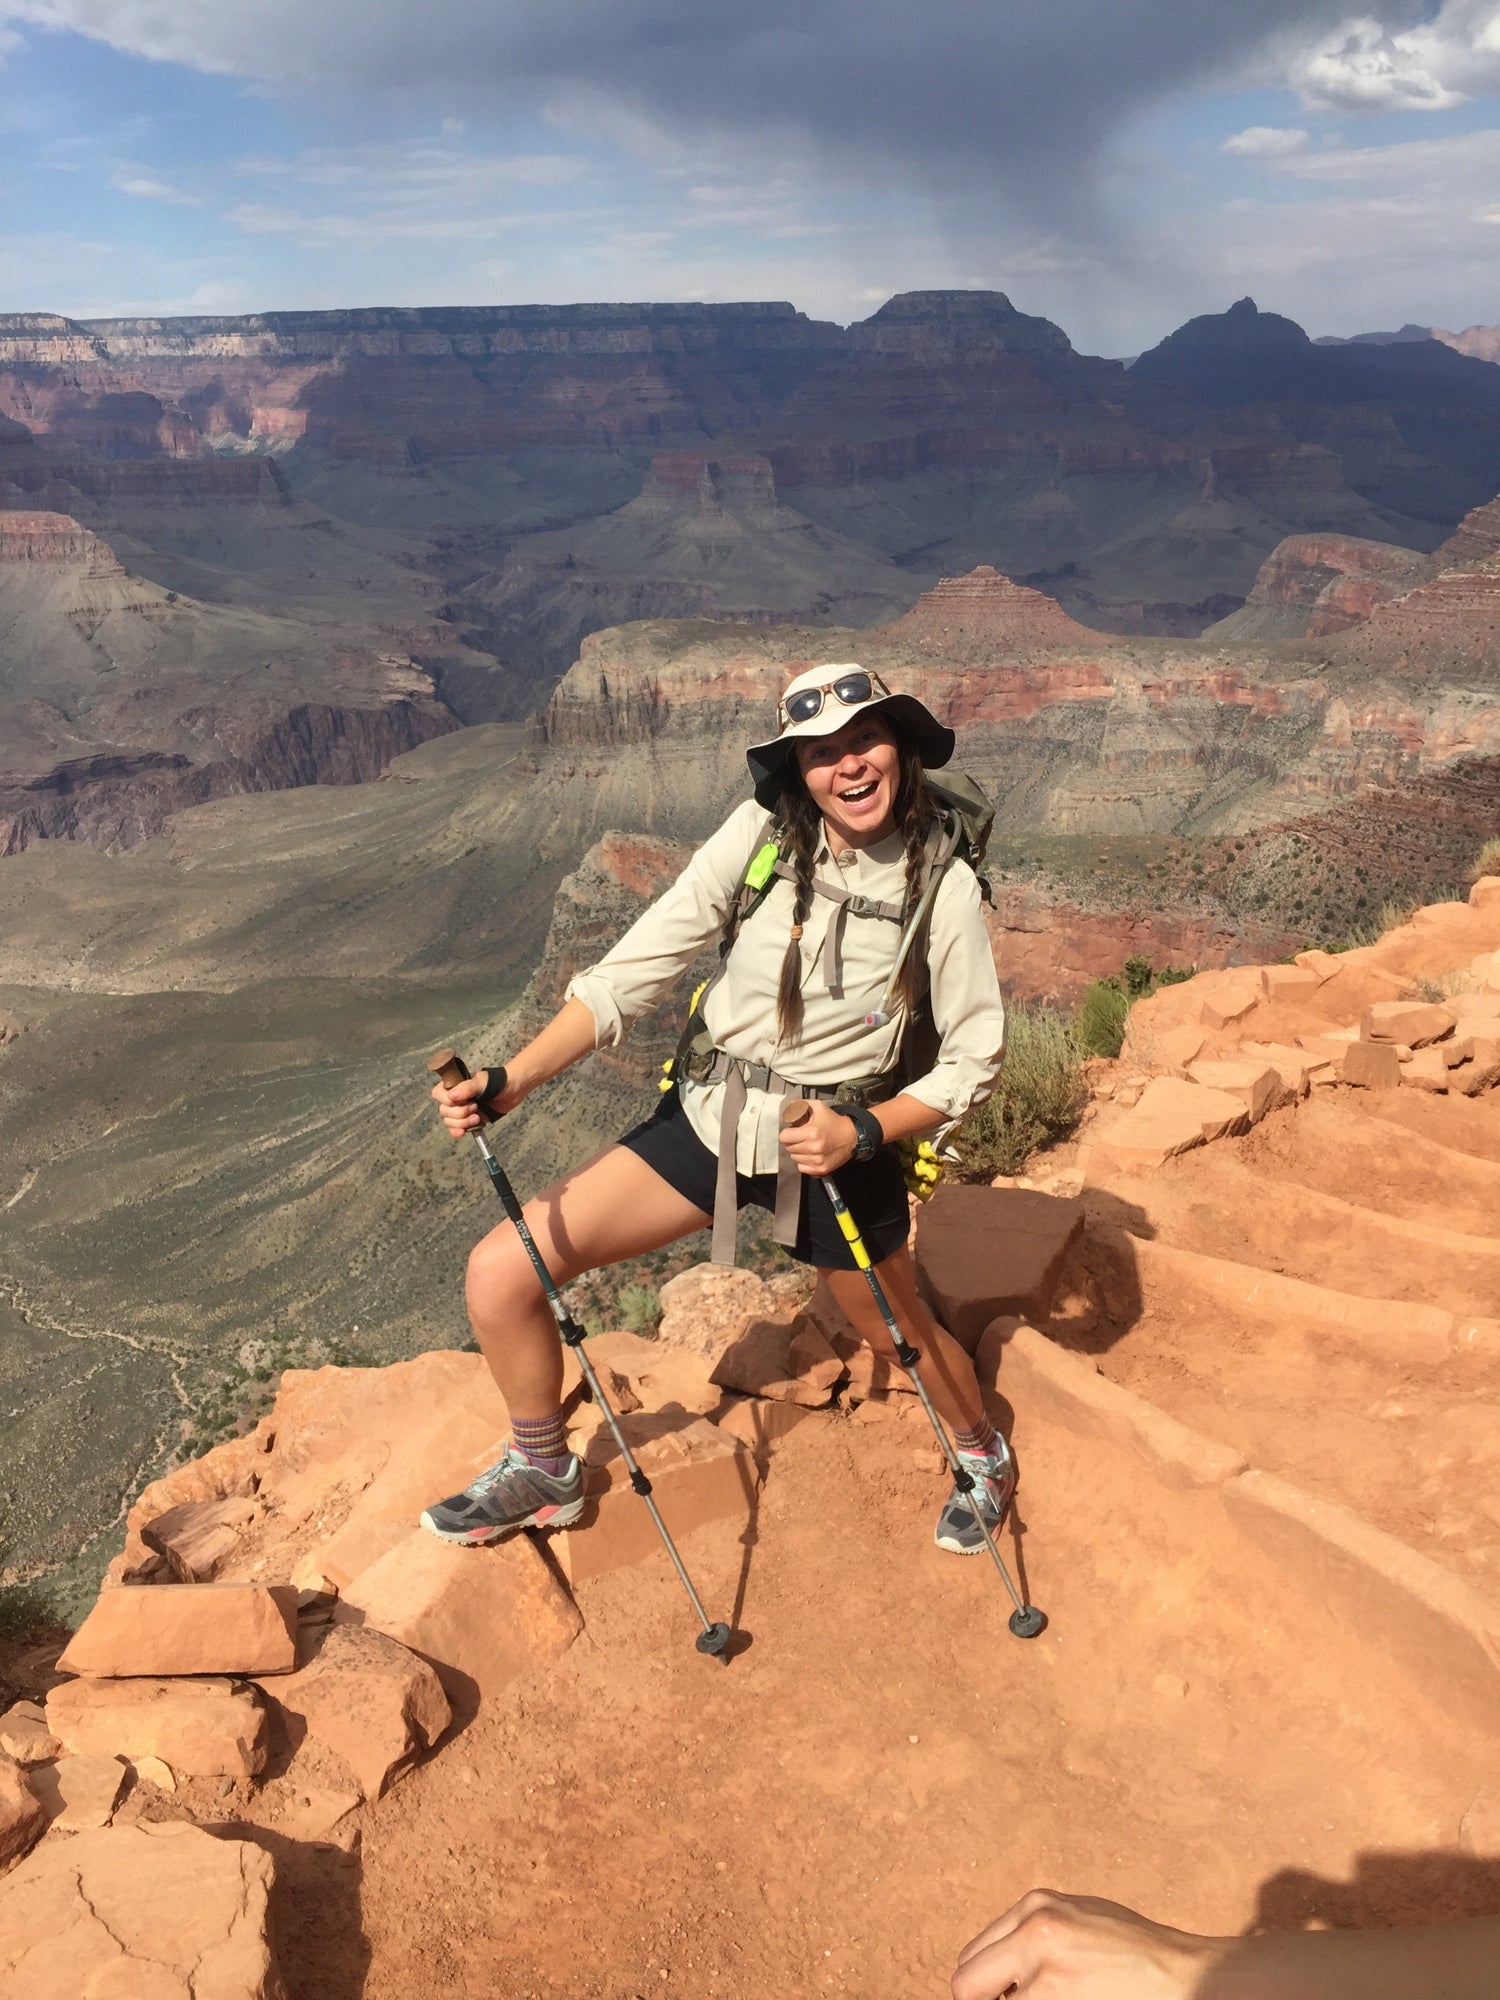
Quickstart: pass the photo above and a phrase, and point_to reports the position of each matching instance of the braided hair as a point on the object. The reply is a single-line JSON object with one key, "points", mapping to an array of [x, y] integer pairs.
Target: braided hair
{"points": [[800, 828]]}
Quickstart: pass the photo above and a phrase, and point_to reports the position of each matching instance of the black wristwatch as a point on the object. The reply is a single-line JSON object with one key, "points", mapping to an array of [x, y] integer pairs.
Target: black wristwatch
{"points": [[868, 1136]]}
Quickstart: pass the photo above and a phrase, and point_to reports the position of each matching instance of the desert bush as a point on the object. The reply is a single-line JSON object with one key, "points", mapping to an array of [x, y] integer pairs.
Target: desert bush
{"points": [[1099, 1024], [1486, 861], [1039, 1099], [24, 1606], [640, 1309]]}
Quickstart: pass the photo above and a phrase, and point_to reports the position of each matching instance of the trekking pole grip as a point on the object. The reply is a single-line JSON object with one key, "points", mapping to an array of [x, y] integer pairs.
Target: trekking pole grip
{"points": [[449, 1068], [796, 1111]]}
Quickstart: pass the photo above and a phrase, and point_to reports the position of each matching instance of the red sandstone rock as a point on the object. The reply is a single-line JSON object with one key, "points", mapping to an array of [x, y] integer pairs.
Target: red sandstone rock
{"points": [[699, 1472], [187, 1628], [1370, 1065], [81, 1792], [197, 1537], [1257, 1085], [1485, 893], [985, 612], [758, 1424], [1224, 998], [199, 1728], [1285, 982], [1172, 1117], [139, 1913], [1427, 1070], [1295, 1067], [704, 1307], [1482, 1071], [985, 1251], [482, 1617], [659, 1374], [367, 1698], [23, 1817], [787, 1361], [24, 1734], [1407, 1022]]}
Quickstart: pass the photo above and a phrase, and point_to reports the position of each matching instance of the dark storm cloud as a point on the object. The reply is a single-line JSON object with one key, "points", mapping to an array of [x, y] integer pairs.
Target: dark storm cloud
{"points": [[970, 97]]}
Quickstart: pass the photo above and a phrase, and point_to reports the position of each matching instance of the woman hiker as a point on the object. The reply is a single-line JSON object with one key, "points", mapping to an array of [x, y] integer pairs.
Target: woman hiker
{"points": [[785, 1016]]}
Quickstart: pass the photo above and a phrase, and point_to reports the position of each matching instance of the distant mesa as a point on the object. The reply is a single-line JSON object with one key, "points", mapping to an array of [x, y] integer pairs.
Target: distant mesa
{"points": [[56, 539], [1313, 585], [1480, 343], [984, 610]]}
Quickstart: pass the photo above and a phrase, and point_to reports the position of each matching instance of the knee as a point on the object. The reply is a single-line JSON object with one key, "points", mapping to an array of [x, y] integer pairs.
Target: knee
{"points": [[494, 1270]]}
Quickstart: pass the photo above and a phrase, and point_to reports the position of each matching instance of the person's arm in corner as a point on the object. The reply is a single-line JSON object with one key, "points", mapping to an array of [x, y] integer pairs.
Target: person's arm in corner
{"points": [[1082, 1948]]}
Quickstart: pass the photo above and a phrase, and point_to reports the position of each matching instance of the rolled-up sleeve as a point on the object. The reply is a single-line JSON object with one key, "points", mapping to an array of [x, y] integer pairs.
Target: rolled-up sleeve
{"points": [[967, 1008], [662, 943]]}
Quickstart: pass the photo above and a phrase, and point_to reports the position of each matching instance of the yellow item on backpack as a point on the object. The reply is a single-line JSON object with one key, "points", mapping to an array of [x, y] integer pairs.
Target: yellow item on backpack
{"points": [[921, 1166]]}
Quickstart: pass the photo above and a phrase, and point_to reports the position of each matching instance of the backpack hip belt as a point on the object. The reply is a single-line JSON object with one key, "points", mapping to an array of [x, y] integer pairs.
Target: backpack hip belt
{"points": [[739, 1078]]}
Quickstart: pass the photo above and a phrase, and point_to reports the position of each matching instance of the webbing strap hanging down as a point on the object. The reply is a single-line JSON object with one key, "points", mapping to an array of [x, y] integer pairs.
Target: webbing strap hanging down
{"points": [[849, 904]]}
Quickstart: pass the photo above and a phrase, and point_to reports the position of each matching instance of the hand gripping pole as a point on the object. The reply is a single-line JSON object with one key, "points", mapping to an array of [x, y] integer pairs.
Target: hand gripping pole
{"points": [[449, 1069], [1026, 1621]]}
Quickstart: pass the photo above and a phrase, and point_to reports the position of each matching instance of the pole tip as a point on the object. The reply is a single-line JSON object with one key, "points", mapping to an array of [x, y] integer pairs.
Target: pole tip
{"points": [[1028, 1623], [714, 1639]]}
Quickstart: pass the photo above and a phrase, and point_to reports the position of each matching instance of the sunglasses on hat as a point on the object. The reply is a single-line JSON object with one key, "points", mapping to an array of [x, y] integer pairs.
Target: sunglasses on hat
{"points": [[850, 689]]}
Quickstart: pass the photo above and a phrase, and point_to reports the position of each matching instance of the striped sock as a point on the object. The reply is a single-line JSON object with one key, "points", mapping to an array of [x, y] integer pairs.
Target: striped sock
{"points": [[980, 1441], [543, 1442]]}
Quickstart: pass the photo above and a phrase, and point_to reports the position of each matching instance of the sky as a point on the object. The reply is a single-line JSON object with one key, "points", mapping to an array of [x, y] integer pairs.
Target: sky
{"points": [[1115, 165]]}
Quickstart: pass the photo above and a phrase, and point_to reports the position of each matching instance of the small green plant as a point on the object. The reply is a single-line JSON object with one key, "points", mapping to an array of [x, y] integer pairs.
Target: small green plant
{"points": [[1038, 1100], [1487, 861], [1175, 975], [640, 1309], [1099, 1024], [1138, 976]]}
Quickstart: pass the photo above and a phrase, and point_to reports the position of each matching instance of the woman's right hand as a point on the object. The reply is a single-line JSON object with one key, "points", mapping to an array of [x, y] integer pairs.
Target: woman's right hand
{"points": [[458, 1104]]}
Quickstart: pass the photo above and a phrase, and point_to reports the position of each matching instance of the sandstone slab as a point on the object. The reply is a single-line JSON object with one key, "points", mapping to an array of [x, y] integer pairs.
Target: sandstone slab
{"points": [[1172, 1117], [1257, 1085], [1295, 1067], [196, 1538], [24, 1734], [699, 1472], [1225, 998], [187, 1628], [1370, 1066], [364, 1695], [759, 1425], [81, 1792], [1427, 1070], [784, 1360], [139, 1913], [1289, 982], [201, 1728], [984, 1251], [482, 1617], [23, 1816], [1412, 1023]]}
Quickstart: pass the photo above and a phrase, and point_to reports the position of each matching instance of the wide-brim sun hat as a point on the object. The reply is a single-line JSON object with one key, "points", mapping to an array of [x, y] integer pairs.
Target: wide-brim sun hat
{"points": [[930, 738]]}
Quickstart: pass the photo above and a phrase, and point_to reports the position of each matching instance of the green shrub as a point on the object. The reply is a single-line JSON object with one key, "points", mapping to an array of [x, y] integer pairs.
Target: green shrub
{"points": [[1487, 861], [1038, 1100], [640, 1309], [1138, 976], [1175, 975], [1099, 1024]]}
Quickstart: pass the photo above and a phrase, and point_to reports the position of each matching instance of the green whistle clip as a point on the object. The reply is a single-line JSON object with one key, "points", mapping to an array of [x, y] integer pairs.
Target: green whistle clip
{"points": [[758, 874]]}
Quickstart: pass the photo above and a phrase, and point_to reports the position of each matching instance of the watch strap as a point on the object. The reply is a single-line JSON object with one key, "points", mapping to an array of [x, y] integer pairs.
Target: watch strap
{"points": [[869, 1137]]}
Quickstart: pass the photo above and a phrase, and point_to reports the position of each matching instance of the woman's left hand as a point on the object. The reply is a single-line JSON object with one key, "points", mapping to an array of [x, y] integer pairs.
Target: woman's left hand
{"points": [[823, 1144]]}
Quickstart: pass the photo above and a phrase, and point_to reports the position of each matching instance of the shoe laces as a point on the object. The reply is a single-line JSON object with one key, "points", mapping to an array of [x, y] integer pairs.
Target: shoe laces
{"points": [[508, 1461]]}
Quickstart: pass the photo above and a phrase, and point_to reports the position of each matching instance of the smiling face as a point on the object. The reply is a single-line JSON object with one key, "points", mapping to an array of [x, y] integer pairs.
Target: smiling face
{"points": [[852, 777]]}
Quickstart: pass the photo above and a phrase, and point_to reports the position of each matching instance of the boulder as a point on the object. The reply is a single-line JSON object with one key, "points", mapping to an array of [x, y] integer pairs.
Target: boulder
{"points": [[482, 1617], [200, 1728], [985, 1251], [1482, 1071], [1484, 894], [24, 1734], [1370, 1065], [139, 1913], [23, 1817], [1172, 1117], [1413, 1023], [699, 1472], [81, 1792], [1427, 1070], [367, 1697], [194, 1539], [187, 1628], [703, 1307], [1256, 1084], [1295, 1067], [787, 1361], [1289, 982]]}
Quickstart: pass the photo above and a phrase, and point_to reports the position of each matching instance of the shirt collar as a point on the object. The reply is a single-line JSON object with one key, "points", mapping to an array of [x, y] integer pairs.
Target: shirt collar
{"points": [[881, 854]]}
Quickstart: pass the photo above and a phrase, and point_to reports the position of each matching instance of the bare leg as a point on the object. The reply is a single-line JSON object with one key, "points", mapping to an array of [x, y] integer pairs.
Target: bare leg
{"points": [[946, 1369], [614, 1206]]}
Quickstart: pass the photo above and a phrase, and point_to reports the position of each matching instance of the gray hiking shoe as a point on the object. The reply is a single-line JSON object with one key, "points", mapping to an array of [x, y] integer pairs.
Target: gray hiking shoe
{"points": [[512, 1494], [994, 1488]]}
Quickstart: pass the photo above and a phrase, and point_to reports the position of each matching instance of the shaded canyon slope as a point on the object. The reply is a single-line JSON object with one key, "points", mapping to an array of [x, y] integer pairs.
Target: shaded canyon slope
{"points": [[522, 475]]}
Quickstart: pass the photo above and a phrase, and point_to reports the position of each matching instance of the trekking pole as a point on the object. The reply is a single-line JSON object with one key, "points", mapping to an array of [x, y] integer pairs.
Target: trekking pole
{"points": [[449, 1069], [1026, 1621]]}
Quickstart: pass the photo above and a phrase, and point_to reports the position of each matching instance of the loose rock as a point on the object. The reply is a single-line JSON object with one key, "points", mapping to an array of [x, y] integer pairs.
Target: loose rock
{"points": [[201, 1728], [23, 1817], [187, 1628], [370, 1699]]}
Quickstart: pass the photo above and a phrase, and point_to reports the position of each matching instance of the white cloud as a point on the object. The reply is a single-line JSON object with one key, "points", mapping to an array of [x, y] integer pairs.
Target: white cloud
{"points": [[1266, 142], [1363, 65], [149, 188], [10, 41]]}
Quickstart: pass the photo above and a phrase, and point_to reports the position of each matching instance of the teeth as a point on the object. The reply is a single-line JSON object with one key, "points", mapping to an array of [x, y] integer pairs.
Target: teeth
{"points": [[860, 792]]}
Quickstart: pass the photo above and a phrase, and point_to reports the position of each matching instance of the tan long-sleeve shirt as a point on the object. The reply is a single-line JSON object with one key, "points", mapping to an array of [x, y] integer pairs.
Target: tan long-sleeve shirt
{"points": [[834, 1045]]}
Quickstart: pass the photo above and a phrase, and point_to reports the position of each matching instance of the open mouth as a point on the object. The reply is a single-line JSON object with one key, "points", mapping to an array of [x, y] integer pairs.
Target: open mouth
{"points": [[859, 793]]}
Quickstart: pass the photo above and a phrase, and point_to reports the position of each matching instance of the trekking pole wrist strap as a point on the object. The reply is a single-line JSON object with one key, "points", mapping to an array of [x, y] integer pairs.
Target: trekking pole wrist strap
{"points": [[869, 1135]]}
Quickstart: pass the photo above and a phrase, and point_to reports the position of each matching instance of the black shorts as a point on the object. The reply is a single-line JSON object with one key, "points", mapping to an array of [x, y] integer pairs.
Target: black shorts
{"points": [[874, 1190]]}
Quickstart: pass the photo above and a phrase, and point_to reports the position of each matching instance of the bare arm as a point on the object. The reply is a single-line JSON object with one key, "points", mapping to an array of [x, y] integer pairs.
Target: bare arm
{"points": [[1082, 1948], [826, 1141], [566, 1037]]}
